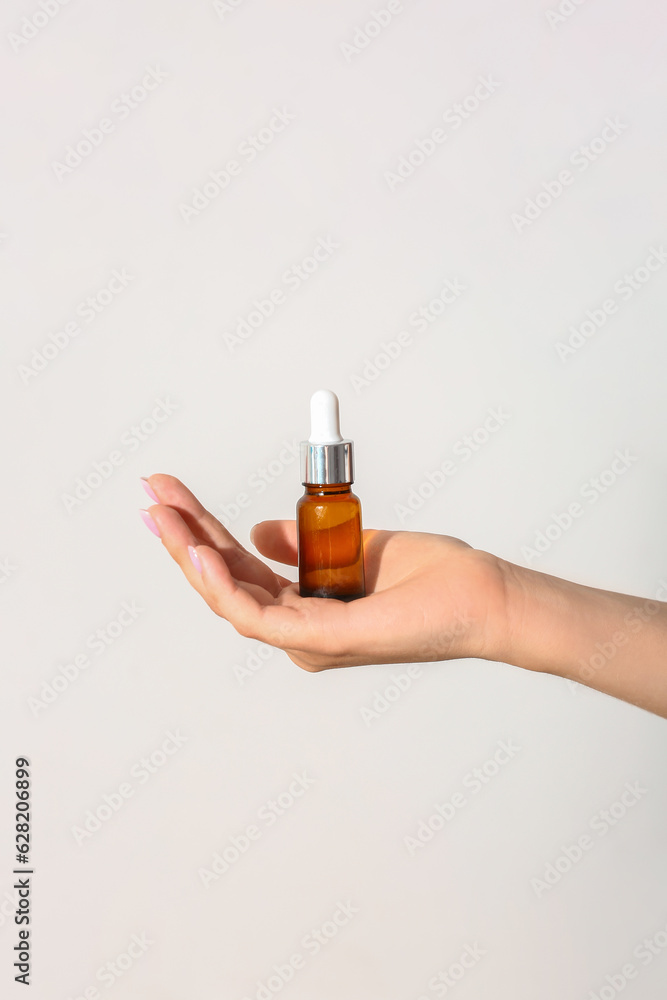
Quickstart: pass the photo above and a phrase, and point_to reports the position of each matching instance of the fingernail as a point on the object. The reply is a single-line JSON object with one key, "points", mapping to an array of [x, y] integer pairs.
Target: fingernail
{"points": [[252, 534], [195, 558], [147, 486], [149, 522]]}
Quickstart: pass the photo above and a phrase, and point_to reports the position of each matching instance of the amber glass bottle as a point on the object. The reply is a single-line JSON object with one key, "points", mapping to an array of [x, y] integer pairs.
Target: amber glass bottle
{"points": [[331, 558], [329, 532]]}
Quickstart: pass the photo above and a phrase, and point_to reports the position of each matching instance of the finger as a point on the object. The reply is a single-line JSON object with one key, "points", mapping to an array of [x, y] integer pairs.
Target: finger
{"points": [[205, 528], [251, 610], [172, 492], [276, 540], [176, 536], [313, 632]]}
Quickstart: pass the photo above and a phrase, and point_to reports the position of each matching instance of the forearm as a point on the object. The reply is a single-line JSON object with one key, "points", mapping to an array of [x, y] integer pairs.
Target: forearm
{"points": [[611, 642]]}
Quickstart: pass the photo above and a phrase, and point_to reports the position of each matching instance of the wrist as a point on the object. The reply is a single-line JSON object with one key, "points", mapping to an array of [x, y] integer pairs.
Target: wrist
{"points": [[549, 623], [527, 605], [497, 609], [615, 643]]}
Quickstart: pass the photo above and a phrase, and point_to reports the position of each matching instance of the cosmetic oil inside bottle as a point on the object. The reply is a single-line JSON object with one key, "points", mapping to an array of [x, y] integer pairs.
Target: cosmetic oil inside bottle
{"points": [[329, 532]]}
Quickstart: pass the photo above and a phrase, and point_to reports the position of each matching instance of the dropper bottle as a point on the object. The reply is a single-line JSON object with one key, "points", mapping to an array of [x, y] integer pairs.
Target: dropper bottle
{"points": [[328, 515]]}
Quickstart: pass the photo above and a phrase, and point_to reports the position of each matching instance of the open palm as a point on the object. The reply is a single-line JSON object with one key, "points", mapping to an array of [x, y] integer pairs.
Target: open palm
{"points": [[429, 596]]}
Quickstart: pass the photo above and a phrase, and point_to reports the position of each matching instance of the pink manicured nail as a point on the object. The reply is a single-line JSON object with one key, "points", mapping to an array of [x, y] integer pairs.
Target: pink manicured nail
{"points": [[195, 558], [147, 486], [149, 522]]}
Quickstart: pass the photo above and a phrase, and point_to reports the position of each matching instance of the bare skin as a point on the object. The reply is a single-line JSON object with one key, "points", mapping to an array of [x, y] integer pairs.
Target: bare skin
{"points": [[429, 597]]}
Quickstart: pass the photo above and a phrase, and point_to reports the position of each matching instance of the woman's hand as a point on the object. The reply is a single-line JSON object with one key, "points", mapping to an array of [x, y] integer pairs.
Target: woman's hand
{"points": [[429, 597]]}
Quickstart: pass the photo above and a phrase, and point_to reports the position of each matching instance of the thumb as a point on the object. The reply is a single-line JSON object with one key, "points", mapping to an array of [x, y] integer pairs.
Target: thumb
{"points": [[276, 540]]}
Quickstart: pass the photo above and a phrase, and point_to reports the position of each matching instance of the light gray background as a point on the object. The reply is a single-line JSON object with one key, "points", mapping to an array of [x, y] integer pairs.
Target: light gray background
{"points": [[175, 667]]}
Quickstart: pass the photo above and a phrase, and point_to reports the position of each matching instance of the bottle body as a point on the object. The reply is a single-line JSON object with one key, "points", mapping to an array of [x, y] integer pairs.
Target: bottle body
{"points": [[329, 542]]}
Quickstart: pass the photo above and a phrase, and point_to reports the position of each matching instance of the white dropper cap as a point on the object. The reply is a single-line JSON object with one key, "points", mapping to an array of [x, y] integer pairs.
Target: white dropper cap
{"points": [[324, 418], [326, 457]]}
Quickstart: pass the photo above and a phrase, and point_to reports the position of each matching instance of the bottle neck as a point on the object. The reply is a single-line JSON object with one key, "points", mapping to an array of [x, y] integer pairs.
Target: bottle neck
{"points": [[327, 464], [328, 489]]}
